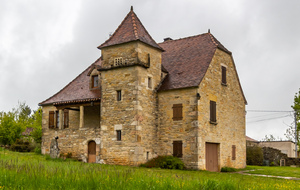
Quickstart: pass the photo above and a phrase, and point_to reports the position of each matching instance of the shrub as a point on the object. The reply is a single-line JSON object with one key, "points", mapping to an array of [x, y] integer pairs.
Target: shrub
{"points": [[38, 149], [254, 155], [21, 146], [164, 162], [228, 169]]}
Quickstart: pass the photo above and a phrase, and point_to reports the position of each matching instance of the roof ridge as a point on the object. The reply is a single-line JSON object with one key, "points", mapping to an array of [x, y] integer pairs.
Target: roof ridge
{"points": [[212, 39], [134, 25], [69, 82], [184, 38]]}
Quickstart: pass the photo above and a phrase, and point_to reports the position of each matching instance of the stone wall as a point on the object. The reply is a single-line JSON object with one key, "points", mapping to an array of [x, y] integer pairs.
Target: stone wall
{"points": [[230, 127], [135, 115], [184, 130]]}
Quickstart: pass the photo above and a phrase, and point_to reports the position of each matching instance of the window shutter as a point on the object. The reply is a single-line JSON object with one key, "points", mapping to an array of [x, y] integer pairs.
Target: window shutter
{"points": [[51, 119], [66, 118], [213, 111], [224, 81], [177, 149], [233, 152], [177, 112]]}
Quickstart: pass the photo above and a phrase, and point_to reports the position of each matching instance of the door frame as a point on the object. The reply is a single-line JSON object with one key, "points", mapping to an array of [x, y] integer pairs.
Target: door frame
{"points": [[212, 155]]}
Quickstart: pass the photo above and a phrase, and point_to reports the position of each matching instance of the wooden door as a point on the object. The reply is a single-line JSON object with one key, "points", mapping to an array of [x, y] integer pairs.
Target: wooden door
{"points": [[211, 157], [92, 152]]}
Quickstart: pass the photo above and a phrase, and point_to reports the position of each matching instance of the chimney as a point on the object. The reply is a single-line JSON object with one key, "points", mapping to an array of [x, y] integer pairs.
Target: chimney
{"points": [[167, 39]]}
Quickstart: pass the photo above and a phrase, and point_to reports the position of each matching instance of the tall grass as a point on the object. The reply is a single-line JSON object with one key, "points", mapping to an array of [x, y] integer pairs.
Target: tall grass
{"points": [[30, 171]]}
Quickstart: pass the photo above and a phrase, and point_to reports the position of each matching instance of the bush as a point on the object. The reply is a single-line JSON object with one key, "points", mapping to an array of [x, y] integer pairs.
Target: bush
{"points": [[228, 169], [165, 162], [38, 149], [21, 146], [254, 155]]}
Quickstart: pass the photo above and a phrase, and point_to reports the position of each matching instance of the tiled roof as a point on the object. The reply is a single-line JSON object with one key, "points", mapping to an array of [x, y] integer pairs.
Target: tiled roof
{"points": [[77, 91], [187, 60], [250, 139], [131, 29]]}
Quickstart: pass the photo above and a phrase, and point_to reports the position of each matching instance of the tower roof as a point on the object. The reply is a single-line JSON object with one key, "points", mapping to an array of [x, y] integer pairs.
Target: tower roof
{"points": [[131, 29]]}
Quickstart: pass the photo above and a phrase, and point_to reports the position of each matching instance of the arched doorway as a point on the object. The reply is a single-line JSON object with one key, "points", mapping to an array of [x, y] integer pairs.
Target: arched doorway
{"points": [[92, 152]]}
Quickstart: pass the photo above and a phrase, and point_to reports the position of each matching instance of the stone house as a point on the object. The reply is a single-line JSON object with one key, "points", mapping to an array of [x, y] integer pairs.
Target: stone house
{"points": [[286, 147], [142, 99]]}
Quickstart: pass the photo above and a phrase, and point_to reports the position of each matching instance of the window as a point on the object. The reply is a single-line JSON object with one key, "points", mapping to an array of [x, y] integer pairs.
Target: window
{"points": [[119, 134], [119, 95], [233, 156], [224, 80], [150, 82], [118, 61], [57, 119], [95, 81], [213, 112], [51, 119], [177, 149], [177, 112], [66, 119]]}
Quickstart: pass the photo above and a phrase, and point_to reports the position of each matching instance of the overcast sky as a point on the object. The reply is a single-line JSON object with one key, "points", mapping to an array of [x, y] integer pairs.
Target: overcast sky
{"points": [[46, 44]]}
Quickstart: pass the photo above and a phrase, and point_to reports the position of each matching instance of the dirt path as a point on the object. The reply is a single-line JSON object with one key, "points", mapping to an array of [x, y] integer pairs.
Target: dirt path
{"points": [[261, 175]]}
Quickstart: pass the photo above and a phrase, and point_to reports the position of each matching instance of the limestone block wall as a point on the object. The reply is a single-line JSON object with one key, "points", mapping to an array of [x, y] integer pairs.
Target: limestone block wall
{"points": [[230, 127], [135, 114], [184, 130]]}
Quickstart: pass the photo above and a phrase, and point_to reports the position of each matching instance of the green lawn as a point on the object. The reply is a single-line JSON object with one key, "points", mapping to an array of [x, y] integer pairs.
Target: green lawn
{"points": [[275, 171], [30, 171]]}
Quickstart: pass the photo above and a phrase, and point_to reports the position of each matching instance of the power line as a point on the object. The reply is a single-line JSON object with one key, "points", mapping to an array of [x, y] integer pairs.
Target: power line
{"points": [[269, 119], [268, 111]]}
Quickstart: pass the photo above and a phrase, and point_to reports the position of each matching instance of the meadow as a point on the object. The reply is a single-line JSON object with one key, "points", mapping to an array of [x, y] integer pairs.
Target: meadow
{"points": [[32, 171]]}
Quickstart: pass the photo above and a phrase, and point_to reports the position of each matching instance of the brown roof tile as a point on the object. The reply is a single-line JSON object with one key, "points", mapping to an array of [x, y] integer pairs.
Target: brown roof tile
{"points": [[131, 29], [77, 91], [187, 60]]}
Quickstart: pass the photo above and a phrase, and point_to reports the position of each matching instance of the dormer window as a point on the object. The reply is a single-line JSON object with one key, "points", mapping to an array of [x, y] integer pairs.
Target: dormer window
{"points": [[95, 81]]}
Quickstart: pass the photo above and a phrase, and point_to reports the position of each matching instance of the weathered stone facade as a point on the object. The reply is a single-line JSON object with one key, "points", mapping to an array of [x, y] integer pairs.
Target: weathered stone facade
{"points": [[121, 109]]}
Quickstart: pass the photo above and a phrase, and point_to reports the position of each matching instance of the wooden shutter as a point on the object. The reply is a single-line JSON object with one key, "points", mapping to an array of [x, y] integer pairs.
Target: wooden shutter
{"points": [[233, 152], [66, 118], [51, 119], [224, 81], [177, 149], [213, 111], [177, 112]]}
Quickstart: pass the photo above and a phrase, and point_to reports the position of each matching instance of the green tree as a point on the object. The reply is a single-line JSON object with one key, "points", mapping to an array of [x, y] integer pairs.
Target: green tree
{"points": [[290, 132], [10, 129], [37, 126]]}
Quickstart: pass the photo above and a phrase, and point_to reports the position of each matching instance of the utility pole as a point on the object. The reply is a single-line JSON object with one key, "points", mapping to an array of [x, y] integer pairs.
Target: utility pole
{"points": [[296, 135]]}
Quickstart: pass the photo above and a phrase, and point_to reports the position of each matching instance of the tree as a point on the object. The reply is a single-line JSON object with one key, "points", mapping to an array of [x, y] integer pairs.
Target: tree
{"points": [[10, 129], [290, 132], [271, 138], [37, 126]]}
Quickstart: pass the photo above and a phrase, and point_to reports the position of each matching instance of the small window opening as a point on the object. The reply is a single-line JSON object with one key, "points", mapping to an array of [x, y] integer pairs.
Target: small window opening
{"points": [[150, 82], [213, 112], [233, 152], [118, 61], [57, 119], [119, 95], [224, 78], [95, 81], [119, 135]]}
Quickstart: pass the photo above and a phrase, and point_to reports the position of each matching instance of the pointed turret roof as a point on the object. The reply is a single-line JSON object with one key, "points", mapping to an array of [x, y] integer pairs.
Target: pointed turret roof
{"points": [[131, 29]]}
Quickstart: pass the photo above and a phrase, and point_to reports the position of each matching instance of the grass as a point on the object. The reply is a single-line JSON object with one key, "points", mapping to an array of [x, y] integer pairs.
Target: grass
{"points": [[31, 171], [275, 171]]}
